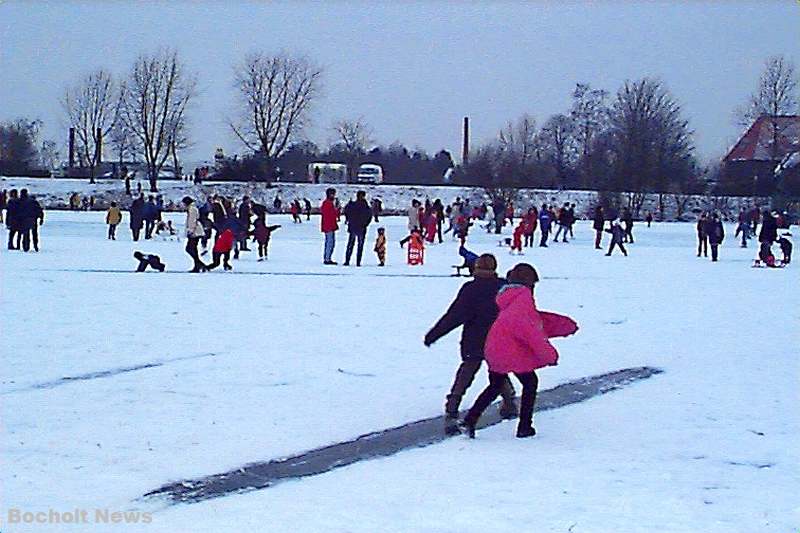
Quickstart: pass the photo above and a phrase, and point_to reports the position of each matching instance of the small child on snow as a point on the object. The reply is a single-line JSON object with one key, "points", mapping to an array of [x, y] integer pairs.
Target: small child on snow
{"points": [[262, 234], [380, 246], [519, 231], [222, 249], [786, 248], [145, 260], [617, 234]]}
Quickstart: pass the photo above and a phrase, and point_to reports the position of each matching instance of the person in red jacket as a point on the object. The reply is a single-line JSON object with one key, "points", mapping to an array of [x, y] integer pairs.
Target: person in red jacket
{"points": [[222, 249], [329, 224], [518, 232]]}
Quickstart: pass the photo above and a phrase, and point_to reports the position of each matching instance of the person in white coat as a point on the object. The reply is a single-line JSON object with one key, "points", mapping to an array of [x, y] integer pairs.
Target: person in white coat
{"points": [[194, 232]]}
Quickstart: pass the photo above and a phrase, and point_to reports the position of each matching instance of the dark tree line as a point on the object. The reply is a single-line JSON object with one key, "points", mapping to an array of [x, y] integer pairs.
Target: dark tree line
{"points": [[638, 141], [400, 165]]}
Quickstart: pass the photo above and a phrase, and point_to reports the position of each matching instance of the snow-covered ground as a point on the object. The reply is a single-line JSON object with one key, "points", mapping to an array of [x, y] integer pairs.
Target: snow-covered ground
{"points": [[254, 367]]}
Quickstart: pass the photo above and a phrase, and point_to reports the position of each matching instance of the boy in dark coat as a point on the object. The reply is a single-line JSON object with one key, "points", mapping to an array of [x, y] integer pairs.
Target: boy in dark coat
{"points": [[598, 223], [475, 309], [145, 260], [702, 235], [617, 235], [786, 248]]}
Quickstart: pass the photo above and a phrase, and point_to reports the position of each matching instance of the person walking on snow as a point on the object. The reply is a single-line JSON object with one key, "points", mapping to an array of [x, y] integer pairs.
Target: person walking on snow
{"points": [[563, 223], [262, 233], [113, 218], [358, 215], [617, 234], [517, 239], [194, 232], [329, 225], [475, 309], [518, 342], [222, 249], [531, 221]]}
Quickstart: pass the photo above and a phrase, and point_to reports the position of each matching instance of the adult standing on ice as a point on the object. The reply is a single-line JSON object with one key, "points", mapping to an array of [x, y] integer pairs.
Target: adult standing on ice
{"points": [[194, 232], [475, 309], [358, 215], [518, 343], [329, 225], [136, 215], [716, 233], [597, 224], [702, 235]]}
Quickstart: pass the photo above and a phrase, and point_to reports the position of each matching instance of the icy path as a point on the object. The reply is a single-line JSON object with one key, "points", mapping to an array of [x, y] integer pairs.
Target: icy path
{"points": [[379, 444]]}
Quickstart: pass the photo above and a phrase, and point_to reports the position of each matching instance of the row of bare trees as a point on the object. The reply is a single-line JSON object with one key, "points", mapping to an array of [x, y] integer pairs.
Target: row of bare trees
{"points": [[145, 112], [637, 140]]}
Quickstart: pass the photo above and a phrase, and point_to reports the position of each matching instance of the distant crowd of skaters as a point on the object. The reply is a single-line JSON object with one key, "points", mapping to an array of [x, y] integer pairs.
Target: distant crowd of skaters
{"points": [[711, 233], [224, 226]]}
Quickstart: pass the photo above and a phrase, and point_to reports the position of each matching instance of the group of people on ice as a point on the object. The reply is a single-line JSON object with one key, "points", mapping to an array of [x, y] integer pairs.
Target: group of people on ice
{"points": [[23, 216], [711, 233]]}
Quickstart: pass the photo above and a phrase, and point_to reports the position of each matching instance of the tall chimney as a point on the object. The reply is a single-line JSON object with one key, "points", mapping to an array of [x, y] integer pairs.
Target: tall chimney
{"points": [[465, 148], [71, 147], [98, 147]]}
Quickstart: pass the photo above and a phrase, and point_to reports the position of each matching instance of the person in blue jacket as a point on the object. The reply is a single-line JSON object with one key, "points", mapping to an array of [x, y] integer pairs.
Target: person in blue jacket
{"points": [[545, 223]]}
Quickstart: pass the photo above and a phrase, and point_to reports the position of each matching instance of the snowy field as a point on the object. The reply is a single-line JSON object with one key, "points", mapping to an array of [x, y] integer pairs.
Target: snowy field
{"points": [[241, 367]]}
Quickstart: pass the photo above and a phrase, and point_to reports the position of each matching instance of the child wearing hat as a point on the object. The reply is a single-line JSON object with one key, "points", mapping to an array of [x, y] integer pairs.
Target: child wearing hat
{"points": [[518, 343], [475, 309]]}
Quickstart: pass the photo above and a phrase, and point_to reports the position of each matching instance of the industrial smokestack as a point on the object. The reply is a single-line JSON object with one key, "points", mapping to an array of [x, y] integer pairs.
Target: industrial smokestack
{"points": [[465, 148], [71, 147]]}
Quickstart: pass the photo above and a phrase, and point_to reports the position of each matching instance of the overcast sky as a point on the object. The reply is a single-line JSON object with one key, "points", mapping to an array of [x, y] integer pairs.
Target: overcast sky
{"points": [[412, 70]]}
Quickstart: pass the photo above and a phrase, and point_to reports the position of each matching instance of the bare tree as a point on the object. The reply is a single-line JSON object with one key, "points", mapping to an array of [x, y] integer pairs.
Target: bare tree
{"points": [[590, 116], [651, 142], [558, 137], [776, 95], [123, 141], [519, 140], [154, 102], [351, 137], [91, 108], [276, 93]]}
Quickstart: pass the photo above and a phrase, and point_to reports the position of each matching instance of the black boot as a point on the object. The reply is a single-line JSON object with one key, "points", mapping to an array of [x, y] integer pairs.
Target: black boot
{"points": [[524, 432]]}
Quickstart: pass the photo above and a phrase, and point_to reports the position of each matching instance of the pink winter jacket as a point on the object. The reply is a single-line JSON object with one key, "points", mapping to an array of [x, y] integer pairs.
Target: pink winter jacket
{"points": [[518, 339]]}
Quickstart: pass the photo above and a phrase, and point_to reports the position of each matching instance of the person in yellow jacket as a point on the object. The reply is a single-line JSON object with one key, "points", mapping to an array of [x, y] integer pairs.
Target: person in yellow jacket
{"points": [[113, 218], [380, 246]]}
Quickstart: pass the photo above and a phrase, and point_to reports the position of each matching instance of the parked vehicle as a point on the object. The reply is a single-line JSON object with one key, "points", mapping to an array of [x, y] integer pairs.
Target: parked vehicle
{"points": [[370, 173]]}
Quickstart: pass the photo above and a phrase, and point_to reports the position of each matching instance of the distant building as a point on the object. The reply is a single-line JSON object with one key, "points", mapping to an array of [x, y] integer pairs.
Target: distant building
{"points": [[749, 168]]}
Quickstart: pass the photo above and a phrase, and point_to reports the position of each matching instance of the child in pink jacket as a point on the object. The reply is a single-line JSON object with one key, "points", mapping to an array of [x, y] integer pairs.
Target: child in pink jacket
{"points": [[518, 343]]}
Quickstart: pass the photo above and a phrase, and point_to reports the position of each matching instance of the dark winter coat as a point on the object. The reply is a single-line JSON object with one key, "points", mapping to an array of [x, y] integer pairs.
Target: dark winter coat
{"points": [[11, 213], [149, 211], [716, 233], [358, 215], [769, 230], [617, 233], [545, 220], [599, 221], [137, 208], [218, 214], [476, 310], [26, 213]]}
